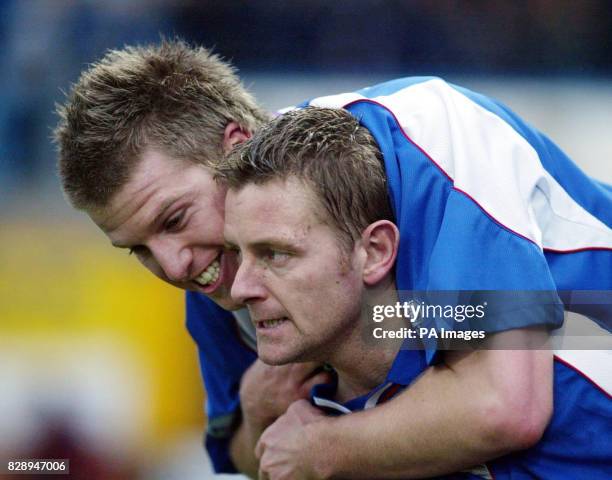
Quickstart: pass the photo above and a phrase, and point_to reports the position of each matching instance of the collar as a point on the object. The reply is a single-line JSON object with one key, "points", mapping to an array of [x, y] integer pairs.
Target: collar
{"points": [[406, 367]]}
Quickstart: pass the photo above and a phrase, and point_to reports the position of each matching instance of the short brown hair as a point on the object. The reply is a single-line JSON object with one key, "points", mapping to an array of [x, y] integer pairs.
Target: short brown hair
{"points": [[331, 153], [170, 96]]}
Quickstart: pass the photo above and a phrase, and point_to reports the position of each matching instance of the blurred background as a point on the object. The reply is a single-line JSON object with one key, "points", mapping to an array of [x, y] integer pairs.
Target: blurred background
{"points": [[95, 362]]}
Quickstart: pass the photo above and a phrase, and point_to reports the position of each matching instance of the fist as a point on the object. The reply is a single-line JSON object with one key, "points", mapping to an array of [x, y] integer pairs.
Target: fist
{"points": [[287, 449], [266, 391]]}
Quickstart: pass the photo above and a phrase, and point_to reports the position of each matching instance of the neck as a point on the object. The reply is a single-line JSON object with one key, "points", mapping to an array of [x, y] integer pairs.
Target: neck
{"points": [[361, 361]]}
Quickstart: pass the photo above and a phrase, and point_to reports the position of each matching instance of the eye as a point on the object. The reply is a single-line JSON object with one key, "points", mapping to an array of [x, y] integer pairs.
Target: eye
{"points": [[276, 257], [173, 224]]}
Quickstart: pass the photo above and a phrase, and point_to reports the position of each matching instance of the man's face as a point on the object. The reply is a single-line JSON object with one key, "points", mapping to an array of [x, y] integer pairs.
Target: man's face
{"points": [[302, 290], [171, 215]]}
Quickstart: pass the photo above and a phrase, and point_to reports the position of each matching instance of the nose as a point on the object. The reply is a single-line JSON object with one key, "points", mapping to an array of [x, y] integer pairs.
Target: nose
{"points": [[174, 260], [248, 285]]}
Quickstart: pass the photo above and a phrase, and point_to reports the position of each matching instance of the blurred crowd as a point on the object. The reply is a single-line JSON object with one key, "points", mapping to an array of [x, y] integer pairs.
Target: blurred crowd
{"points": [[476, 36], [46, 43]]}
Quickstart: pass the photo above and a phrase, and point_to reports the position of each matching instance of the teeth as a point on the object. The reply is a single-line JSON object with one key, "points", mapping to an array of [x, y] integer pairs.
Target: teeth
{"points": [[210, 275], [271, 323]]}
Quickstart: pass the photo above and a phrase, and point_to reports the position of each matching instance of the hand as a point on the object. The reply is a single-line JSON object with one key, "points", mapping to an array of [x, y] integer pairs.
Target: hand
{"points": [[267, 391], [283, 449]]}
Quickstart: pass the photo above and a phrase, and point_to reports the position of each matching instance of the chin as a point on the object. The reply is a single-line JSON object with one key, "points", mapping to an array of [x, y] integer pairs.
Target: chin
{"points": [[277, 358]]}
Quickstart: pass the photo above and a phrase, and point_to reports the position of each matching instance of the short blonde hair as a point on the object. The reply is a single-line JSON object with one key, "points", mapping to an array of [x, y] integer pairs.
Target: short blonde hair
{"points": [[170, 96]]}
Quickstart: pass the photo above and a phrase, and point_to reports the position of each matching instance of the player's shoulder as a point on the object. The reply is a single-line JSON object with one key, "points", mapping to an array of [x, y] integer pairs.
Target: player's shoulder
{"points": [[413, 101]]}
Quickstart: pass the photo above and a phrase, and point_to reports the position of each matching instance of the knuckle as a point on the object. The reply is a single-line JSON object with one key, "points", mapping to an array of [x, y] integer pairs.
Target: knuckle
{"points": [[296, 406]]}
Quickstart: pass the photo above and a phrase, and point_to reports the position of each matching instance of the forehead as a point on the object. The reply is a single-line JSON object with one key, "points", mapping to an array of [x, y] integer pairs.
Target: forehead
{"points": [[155, 168], [278, 209], [157, 181]]}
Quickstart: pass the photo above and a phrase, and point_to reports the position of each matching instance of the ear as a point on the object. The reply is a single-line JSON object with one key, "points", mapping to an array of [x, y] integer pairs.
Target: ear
{"points": [[380, 241], [233, 135]]}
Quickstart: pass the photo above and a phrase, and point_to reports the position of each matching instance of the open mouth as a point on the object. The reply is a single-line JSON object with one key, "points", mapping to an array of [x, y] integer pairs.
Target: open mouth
{"points": [[210, 276], [271, 323]]}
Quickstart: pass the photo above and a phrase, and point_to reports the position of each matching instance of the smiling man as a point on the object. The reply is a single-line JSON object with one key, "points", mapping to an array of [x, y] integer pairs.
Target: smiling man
{"points": [[307, 210], [138, 137], [483, 201], [149, 214]]}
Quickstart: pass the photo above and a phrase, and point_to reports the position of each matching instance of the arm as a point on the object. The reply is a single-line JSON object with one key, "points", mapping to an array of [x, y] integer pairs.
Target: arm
{"points": [[474, 407], [242, 447], [265, 394]]}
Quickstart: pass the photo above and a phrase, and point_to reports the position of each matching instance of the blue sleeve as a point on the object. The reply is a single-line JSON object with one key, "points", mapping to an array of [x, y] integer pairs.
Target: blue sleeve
{"points": [[223, 360]]}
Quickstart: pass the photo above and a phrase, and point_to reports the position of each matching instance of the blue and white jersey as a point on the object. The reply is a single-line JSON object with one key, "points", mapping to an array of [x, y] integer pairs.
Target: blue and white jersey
{"points": [[225, 353], [407, 366], [576, 444], [483, 202]]}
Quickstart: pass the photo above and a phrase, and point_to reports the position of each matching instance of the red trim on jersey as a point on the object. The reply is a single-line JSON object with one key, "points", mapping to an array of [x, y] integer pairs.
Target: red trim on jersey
{"points": [[374, 102], [367, 100], [584, 249], [580, 372], [390, 392], [493, 218]]}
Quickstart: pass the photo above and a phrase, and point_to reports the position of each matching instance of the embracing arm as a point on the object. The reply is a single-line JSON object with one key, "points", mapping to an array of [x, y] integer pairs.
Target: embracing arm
{"points": [[242, 447], [265, 394], [472, 408]]}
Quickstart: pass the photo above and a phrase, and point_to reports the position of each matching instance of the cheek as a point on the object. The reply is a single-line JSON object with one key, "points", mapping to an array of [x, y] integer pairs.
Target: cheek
{"points": [[208, 222], [346, 292], [326, 291]]}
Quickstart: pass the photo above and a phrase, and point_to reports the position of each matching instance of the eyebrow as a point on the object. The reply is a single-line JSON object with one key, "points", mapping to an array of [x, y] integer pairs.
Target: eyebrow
{"points": [[272, 243]]}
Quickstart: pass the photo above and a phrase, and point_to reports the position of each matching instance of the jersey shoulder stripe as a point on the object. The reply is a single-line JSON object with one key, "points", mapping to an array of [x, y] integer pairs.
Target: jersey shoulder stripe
{"points": [[487, 160]]}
